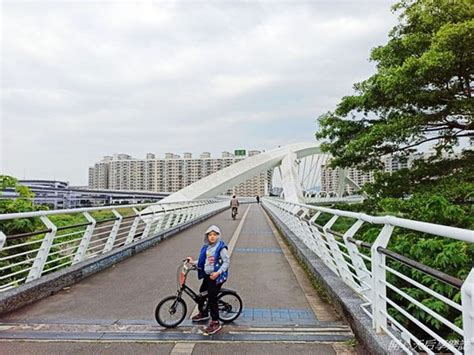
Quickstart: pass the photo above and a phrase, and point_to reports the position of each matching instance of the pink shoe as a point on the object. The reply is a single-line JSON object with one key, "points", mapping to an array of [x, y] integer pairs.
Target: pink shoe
{"points": [[213, 327]]}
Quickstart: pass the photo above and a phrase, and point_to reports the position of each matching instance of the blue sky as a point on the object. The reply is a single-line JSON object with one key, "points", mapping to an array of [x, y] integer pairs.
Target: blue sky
{"points": [[84, 79]]}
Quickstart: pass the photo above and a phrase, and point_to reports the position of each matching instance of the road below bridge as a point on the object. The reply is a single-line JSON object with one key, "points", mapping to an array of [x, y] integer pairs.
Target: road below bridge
{"points": [[113, 311]]}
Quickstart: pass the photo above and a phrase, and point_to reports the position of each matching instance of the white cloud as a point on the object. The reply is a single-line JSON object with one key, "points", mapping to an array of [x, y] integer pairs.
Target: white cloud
{"points": [[85, 79]]}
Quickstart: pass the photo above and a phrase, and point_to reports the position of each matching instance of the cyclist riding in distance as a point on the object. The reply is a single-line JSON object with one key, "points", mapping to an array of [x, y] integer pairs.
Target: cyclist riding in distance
{"points": [[213, 265], [234, 204]]}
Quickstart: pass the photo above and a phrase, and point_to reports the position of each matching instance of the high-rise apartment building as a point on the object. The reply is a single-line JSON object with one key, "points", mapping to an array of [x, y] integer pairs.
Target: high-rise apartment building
{"points": [[330, 178], [122, 172], [392, 163]]}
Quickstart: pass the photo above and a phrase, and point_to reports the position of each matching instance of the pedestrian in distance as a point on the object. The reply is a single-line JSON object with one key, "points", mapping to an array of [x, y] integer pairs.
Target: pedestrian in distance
{"points": [[213, 265], [234, 204], [258, 199]]}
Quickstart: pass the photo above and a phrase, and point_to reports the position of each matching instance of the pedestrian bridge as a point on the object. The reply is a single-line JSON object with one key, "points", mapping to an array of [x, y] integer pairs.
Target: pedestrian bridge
{"points": [[71, 284]]}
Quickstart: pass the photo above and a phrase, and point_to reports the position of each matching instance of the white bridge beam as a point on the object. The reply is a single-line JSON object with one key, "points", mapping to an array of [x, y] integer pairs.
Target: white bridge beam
{"points": [[235, 174], [290, 180]]}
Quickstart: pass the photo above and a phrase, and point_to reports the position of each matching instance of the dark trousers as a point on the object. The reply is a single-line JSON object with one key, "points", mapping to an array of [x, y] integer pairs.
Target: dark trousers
{"points": [[212, 289]]}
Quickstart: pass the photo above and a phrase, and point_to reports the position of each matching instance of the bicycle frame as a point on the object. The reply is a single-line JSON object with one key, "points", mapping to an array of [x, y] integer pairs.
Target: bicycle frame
{"points": [[196, 297], [229, 310]]}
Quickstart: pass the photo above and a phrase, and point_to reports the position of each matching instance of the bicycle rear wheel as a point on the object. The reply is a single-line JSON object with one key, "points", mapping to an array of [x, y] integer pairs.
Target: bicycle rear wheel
{"points": [[230, 306], [170, 311]]}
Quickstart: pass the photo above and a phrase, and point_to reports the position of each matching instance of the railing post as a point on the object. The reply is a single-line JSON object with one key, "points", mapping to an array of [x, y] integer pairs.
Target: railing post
{"points": [[467, 300], [311, 239], [197, 211], [193, 212], [357, 261], [379, 288], [43, 252], [179, 216], [170, 217], [323, 249], [187, 209], [3, 239], [164, 221], [341, 263], [133, 228], [300, 224], [148, 222], [86, 238], [113, 234], [159, 221]]}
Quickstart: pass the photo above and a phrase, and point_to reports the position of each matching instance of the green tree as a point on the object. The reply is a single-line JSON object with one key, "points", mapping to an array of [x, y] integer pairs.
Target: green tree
{"points": [[22, 204], [422, 90]]}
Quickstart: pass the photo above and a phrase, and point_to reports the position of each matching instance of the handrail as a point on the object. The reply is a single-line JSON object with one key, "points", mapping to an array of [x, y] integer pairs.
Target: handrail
{"points": [[464, 235], [365, 271], [24, 260], [450, 280], [7, 216]]}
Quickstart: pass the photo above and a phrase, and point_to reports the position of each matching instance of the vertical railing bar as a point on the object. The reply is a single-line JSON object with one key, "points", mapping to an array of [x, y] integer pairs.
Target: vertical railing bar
{"points": [[113, 233], [86, 238], [467, 302], [133, 228], [379, 289], [43, 252]]}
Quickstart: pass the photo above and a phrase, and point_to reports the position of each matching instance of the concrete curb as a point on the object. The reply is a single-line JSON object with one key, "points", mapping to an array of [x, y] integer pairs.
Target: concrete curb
{"points": [[50, 284], [346, 302]]}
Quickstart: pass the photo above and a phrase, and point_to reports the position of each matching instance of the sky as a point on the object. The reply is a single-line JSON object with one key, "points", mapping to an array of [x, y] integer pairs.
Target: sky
{"points": [[84, 79]]}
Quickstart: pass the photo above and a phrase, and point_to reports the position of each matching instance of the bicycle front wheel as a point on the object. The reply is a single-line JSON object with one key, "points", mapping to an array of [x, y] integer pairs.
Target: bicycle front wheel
{"points": [[230, 306], [170, 311]]}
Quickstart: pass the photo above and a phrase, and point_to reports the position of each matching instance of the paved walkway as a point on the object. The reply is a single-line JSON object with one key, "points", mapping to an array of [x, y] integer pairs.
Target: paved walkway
{"points": [[282, 312]]}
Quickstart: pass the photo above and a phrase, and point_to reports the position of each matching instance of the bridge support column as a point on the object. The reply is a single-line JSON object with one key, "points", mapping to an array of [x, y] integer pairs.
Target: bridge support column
{"points": [[341, 185], [289, 176]]}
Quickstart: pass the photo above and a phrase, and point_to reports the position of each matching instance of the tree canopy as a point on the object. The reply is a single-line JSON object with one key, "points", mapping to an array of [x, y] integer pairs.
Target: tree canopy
{"points": [[422, 90], [22, 204]]}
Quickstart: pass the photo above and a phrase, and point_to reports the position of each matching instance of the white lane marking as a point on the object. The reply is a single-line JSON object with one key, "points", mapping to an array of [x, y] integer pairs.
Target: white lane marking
{"points": [[231, 246], [183, 349], [236, 234]]}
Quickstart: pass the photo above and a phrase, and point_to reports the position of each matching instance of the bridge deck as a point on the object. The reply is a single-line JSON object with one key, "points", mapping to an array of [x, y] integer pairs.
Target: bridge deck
{"points": [[118, 304]]}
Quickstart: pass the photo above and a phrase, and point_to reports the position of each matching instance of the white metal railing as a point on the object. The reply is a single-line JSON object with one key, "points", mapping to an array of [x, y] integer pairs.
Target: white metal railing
{"points": [[334, 199], [57, 243], [366, 268]]}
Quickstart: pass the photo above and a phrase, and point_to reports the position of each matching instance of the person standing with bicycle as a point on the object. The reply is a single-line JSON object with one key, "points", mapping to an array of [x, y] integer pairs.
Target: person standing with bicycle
{"points": [[234, 206], [213, 265]]}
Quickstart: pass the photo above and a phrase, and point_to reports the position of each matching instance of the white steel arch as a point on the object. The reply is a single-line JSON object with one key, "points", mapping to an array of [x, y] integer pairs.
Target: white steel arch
{"points": [[235, 174]]}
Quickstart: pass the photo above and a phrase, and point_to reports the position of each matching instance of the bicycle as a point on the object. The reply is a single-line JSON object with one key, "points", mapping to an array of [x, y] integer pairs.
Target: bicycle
{"points": [[172, 310], [234, 213]]}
